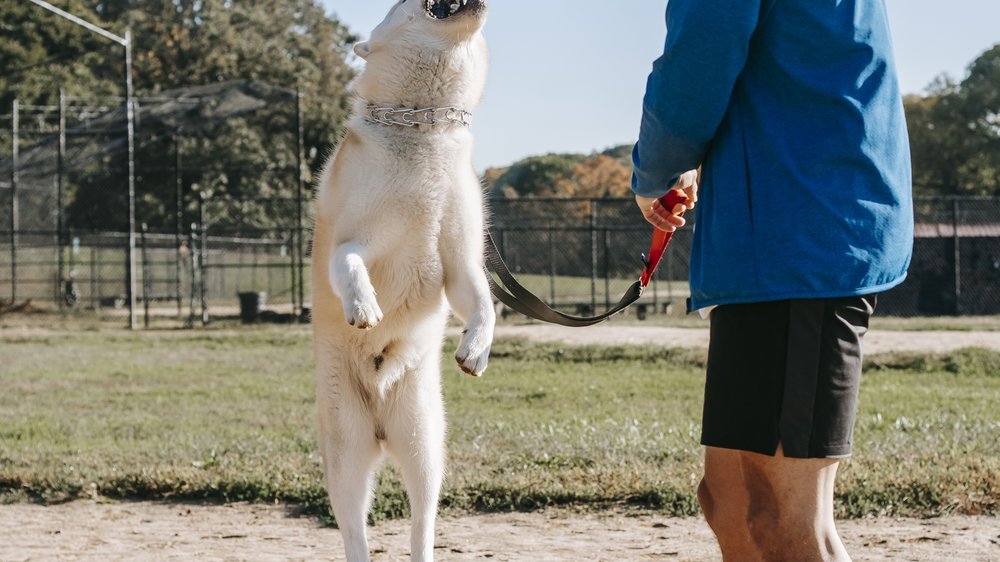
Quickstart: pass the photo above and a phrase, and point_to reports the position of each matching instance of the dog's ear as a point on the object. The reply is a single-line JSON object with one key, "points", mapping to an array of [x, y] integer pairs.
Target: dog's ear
{"points": [[363, 49]]}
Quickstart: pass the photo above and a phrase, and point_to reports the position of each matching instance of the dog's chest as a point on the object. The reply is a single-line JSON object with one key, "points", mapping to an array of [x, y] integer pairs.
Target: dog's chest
{"points": [[412, 275]]}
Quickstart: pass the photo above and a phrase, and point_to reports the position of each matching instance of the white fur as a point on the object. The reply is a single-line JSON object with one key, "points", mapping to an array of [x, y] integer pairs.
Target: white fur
{"points": [[398, 236]]}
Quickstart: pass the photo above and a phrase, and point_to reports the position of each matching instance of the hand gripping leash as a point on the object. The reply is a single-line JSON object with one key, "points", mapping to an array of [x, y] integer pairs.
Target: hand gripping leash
{"points": [[515, 296]]}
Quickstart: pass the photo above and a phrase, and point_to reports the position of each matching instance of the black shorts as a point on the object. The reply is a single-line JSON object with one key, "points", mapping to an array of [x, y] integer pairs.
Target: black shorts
{"points": [[788, 372]]}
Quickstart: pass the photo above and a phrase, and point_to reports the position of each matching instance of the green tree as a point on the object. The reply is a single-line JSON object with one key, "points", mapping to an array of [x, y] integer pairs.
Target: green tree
{"points": [[182, 43], [38, 55], [537, 176], [955, 132], [600, 176]]}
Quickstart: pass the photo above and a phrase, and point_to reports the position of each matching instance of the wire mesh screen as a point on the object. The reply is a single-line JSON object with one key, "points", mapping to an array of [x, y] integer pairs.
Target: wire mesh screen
{"points": [[213, 219], [215, 224], [956, 260], [580, 255]]}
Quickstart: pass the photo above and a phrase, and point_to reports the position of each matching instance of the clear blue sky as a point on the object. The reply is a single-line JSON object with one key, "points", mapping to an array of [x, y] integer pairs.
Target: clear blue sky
{"points": [[571, 73]]}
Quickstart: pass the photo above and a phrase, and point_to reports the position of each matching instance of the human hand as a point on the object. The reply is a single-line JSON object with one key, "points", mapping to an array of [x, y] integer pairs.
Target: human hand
{"points": [[669, 220]]}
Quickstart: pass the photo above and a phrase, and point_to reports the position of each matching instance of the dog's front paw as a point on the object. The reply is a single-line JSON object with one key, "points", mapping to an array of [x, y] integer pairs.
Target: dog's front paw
{"points": [[474, 352], [363, 314]]}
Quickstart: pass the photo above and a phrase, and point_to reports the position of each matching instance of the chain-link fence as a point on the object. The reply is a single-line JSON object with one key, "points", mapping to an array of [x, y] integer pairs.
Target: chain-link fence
{"points": [[956, 260], [581, 254], [220, 229], [215, 221]]}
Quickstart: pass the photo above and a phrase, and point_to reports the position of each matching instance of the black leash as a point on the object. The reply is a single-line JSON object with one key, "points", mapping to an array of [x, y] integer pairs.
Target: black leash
{"points": [[514, 295]]}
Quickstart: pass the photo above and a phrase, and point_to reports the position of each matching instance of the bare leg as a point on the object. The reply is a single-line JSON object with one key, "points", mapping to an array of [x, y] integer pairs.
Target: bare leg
{"points": [[791, 507], [725, 502]]}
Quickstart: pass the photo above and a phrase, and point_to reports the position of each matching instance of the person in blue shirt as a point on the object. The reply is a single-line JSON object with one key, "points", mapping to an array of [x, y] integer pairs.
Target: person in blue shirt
{"points": [[791, 111]]}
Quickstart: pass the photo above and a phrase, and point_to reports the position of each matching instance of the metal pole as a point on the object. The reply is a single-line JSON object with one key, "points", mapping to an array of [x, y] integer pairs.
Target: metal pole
{"points": [[195, 247], [94, 256], [145, 277], [552, 266], [593, 256], [60, 196], [15, 126], [958, 257], [293, 269], [130, 131], [300, 187], [179, 221], [203, 258], [670, 275], [607, 269], [130, 118], [656, 290], [81, 22]]}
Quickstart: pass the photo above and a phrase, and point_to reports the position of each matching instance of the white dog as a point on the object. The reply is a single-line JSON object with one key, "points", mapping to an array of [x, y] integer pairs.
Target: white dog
{"points": [[399, 228]]}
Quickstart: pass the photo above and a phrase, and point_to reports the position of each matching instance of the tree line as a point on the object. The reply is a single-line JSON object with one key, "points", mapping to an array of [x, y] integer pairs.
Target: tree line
{"points": [[293, 44], [954, 126], [954, 130]]}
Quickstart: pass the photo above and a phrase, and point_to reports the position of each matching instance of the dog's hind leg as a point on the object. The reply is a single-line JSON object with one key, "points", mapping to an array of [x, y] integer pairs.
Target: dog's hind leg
{"points": [[415, 439], [350, 281], [349, 468], [350, 458]]}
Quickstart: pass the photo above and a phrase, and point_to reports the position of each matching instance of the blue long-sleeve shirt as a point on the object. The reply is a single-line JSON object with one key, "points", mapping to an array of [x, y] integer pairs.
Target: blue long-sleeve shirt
{"points": [[793, 111]]}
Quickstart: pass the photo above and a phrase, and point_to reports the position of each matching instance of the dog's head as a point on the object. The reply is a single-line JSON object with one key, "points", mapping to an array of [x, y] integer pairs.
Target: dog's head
{"points": [[425, 53]]}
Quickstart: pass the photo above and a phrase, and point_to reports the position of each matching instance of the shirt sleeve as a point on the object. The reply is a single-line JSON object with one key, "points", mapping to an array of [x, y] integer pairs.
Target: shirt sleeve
{"points": [[689, 88]]}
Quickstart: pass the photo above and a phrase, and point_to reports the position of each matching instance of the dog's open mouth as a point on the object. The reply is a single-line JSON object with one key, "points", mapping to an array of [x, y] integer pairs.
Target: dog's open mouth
{"points": [[443, 9]]}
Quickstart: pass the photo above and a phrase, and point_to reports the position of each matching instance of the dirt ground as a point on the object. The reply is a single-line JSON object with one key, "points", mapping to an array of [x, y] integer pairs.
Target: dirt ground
{"points": [[876, 341], [88, 530]]}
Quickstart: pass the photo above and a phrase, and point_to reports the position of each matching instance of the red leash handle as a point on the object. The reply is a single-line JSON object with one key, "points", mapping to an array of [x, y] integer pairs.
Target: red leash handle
{"points": [[673, 198]]}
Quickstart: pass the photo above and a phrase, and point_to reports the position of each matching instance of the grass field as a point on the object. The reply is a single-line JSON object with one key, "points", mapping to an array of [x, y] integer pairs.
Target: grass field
{"points": [[225, 415]]}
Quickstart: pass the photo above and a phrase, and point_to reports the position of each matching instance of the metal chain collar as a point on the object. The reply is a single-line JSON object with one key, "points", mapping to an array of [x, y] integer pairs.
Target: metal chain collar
{"points": [[423, 118]]}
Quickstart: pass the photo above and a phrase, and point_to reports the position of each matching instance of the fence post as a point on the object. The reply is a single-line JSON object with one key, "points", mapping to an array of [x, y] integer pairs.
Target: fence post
{"points": [[593, 256], [552, 266], [503, 243], [145, 275], [299, 204], [15, 126], [95, 254], [656, 291], [607, 269], [130, 137], [203, 257], [670, 275], [958, 256], [60, 197], [293, 270], [178, 218], [194, 247]]}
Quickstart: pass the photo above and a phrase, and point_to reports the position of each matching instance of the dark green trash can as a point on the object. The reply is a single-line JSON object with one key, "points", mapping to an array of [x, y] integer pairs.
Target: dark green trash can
{"points": [[251, 305]]}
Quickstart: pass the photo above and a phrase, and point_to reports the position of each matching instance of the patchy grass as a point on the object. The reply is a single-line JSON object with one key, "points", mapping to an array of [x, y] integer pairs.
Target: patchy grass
{"points": [[225, 415]]}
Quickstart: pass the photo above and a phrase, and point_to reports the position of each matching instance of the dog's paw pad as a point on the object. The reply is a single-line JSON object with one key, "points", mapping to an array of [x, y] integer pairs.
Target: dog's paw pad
{"points": [[469, 367], [473, 353], [364, 317], [473, 363]]}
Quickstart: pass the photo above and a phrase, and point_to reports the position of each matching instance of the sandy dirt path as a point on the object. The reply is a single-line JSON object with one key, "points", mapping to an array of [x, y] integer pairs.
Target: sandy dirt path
{"points": [[876, 341], [88, 530]]}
